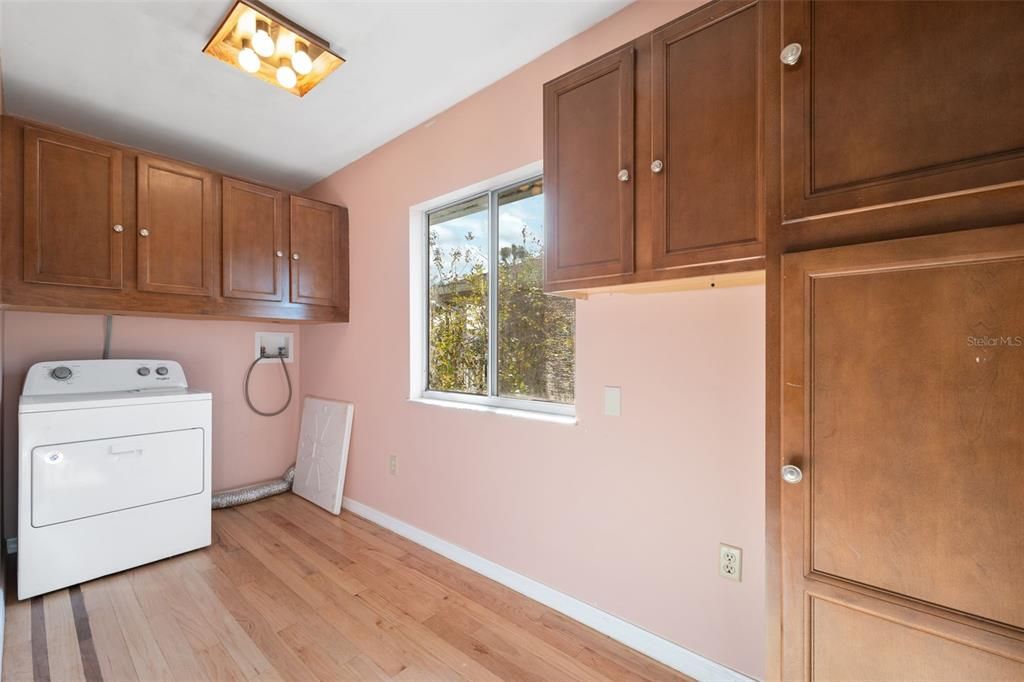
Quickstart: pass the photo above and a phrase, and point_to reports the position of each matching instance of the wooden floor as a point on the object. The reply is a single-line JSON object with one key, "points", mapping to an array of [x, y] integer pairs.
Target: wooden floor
{"points": [[289, 592]]}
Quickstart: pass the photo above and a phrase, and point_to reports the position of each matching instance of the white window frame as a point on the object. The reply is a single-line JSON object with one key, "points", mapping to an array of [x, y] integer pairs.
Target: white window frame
{"points": [[419, 269]]}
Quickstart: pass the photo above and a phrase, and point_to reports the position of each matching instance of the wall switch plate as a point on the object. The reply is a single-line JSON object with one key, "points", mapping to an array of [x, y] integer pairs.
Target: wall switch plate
{"points": [[613, 401], [730, 562], [271, 341], [393, 465]]}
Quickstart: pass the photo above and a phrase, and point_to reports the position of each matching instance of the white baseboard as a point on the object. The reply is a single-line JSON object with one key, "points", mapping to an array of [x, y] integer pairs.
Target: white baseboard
{"points": [[658, 648]]}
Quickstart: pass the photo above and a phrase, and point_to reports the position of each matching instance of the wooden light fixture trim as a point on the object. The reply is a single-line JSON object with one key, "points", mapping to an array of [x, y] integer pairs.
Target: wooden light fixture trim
{"points": [[226, 43]]}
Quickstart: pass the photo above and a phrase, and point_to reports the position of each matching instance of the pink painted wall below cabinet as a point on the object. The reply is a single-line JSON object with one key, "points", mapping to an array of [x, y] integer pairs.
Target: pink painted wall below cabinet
{"points": [[215, 354], [623, 513]]}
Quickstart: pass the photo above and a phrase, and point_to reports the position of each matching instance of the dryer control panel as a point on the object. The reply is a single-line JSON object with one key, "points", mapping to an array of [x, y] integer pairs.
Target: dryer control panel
{"points": [[102, 376]]}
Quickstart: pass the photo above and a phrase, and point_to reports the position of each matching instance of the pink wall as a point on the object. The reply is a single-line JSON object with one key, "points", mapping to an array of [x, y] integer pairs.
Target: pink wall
{"points": [[624, 513], [215, 355]]}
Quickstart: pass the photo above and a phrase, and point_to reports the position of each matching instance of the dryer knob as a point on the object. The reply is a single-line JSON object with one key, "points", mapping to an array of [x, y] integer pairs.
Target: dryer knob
{"points": [[143, 371], [162, 371], [61, 373]]}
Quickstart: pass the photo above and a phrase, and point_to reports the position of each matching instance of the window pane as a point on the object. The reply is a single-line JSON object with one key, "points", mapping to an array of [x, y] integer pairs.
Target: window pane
{"points": [[536, 332], [457, 298]]}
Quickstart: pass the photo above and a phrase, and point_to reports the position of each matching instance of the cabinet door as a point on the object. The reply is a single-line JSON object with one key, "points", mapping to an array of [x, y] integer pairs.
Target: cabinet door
{"points": [[588, 169], [319, 248], [252, 223], [891, 103], [176, 227], [706, 137], [903, 372], [73, 211]]}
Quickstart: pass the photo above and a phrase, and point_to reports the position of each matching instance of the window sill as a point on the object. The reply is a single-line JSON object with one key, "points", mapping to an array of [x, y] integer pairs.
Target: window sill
{"points": [[569, 420]]}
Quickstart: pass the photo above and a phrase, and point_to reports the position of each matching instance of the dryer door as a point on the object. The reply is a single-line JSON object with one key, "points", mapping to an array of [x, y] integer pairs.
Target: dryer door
{"points": [[86, 478]]}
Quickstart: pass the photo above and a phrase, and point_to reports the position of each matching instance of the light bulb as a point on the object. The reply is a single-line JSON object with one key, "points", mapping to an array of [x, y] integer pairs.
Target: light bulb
{"points": [[285, 75], [261, 40], [247, 24], [247, 57], [285, 43], [300, 60]]}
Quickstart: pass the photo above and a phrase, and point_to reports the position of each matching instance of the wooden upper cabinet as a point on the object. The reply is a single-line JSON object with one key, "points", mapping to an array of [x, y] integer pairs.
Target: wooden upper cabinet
{"points": [[654, 156], [319, 253], [73, 196], [253, 238], [588, 173], [177, 226], [706, 137], [892, 103]]}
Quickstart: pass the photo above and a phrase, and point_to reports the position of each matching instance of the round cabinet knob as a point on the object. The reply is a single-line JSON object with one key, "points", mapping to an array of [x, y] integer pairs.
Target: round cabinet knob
{"points": [[143, 232], [790, 54], [119, 228], [623, 175], [792, 474], [295, 256], [143, 371], [279, 254], [61, 373], [657, 166]]}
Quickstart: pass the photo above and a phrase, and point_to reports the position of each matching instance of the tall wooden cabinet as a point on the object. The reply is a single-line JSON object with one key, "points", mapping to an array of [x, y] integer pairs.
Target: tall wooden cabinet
{"points": [[894, 364], [653, 156], [902, 376], [73, 231], [93, 226]]}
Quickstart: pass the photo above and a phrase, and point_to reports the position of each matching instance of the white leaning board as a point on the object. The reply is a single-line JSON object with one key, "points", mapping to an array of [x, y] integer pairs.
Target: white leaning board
{"points": [[323, 452]]}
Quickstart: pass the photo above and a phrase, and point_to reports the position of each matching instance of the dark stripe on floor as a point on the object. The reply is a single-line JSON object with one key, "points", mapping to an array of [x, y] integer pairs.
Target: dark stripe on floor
{"points": [[40, 656], [90, 662]]}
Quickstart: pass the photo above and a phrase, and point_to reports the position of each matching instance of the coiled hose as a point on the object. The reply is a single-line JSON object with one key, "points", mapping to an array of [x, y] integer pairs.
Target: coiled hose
{"points": [[258, 491], [288, 378]]}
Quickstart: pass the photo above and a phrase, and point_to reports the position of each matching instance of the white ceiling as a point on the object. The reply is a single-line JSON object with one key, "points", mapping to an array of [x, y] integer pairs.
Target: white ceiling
{"points": [[134, 72]]}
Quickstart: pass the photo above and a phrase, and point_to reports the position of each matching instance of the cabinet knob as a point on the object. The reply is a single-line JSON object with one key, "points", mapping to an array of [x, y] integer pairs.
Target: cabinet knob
{"points": [[791, 474], [657, 166], [143, 232], [295, 256], [119, 228], [279, 254], [623, 175], [790, 54]]}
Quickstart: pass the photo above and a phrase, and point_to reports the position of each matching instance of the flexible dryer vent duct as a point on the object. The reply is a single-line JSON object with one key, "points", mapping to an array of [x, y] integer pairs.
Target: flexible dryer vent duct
{"points": [[257, 491]]}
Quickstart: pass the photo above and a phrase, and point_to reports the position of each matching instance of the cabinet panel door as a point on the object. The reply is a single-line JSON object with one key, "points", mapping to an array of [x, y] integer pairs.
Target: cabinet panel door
{"points": [[176, 226], [73, 205], [891, 103], [903, 374], [318, 244], [706, 137], [588, 143], [252, 219]]}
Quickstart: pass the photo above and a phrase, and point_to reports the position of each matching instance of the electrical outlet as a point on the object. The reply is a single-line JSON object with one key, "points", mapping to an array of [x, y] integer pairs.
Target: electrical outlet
{"points": [[393, 465], [730, 562]]}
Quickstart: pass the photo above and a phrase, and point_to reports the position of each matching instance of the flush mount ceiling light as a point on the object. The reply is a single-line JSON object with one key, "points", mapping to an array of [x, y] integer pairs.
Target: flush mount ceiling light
{"points": [[256, 39]]}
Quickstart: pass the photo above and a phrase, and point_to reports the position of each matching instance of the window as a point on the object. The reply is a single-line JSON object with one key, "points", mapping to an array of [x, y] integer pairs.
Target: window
{"points": [[491, 333]]}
